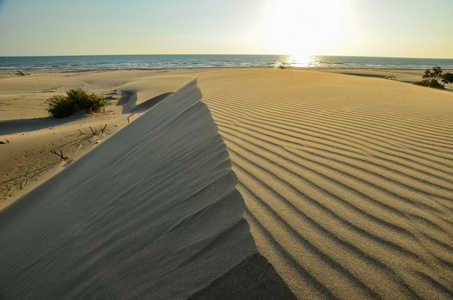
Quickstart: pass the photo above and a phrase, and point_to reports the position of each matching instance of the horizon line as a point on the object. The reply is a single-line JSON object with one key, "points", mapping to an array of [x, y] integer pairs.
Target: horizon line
{"points": [[204, 54]]}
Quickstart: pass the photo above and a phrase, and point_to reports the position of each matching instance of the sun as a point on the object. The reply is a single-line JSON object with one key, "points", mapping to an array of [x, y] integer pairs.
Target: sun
{"points": [[304, 27]]}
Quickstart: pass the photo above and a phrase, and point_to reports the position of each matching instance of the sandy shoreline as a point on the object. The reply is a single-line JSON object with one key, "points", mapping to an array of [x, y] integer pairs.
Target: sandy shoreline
{"points": [[318, 183]]}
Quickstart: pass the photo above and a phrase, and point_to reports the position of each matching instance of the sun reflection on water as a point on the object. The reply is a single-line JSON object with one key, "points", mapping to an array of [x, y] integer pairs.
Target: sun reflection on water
{"points": [[297, 61]]}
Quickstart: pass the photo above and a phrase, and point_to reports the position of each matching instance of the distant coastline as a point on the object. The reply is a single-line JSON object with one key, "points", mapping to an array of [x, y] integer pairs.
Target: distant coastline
{"points": [[91, 62]]}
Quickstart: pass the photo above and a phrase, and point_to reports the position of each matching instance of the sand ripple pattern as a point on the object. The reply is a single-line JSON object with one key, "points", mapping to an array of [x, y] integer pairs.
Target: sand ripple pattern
{"points": [[152, 213], [347, 180]]}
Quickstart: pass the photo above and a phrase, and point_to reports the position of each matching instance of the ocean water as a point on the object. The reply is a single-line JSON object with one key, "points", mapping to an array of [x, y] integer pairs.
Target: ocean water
{"points": [[205, 61]]}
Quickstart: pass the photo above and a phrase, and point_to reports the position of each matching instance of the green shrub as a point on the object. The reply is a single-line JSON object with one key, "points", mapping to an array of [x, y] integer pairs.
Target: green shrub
{"points": [[61, 107], [432, 77], [86, 101], [75, 100], [430, 83]]}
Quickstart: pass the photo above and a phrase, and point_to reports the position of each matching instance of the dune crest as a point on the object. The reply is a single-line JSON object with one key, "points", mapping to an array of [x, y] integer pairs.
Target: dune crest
{"points": [[265, 184], [151, 213]]}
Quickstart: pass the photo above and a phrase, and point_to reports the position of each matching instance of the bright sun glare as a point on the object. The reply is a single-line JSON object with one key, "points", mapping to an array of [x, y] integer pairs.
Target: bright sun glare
{"points": [[305, 27]]}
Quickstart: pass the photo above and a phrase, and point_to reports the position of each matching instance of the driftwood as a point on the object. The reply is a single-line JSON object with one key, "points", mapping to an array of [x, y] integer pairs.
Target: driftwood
{"points": [[391, 77]]}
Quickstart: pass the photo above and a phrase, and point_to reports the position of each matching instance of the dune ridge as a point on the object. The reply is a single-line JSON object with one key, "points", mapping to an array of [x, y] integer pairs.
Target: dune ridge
{"points": [[347, 180], [28, 134], [153, 212], [265, 184]]}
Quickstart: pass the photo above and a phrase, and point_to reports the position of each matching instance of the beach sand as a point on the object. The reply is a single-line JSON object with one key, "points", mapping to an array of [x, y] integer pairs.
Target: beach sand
{"points": [[242, 184], [27, 133]]}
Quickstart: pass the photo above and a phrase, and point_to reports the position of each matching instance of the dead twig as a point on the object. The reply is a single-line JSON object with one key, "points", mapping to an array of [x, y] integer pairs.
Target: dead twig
{"points": [[129, 117], [61, 155], [103, 128], [81, 132], [94, 131]]}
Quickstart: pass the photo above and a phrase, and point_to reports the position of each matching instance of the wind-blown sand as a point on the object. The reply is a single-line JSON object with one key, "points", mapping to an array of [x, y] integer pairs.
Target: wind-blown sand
{"points": [[347, 181], [249, 184], [28, 133]]}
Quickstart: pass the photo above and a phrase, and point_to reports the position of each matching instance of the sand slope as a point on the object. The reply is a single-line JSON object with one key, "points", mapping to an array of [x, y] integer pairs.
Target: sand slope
{"points": [[278, 184], [151, 213], [27, 133], [347, 180]]}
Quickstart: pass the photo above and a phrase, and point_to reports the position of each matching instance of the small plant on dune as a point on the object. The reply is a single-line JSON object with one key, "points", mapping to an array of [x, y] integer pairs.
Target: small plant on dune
{"points": [[75, 100], [435, 78], [89, 102], [61, 107]]}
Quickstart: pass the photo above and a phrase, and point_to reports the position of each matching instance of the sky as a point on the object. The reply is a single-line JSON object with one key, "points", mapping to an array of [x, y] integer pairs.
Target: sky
{"points": [[392, 28]]}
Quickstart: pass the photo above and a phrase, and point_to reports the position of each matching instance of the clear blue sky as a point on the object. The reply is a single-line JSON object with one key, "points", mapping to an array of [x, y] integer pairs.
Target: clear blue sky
{"points": [[404, 28]]}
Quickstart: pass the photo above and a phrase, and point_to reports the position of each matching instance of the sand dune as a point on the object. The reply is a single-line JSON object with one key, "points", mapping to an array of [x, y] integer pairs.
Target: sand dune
{"points": [[347, 180], [151, 213], [249, 184], [28, 133], [129, 99]]}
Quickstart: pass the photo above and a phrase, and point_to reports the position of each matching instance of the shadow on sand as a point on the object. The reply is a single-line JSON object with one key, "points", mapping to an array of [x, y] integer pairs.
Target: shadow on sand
{"points": [[129, 100], [33, 124]]}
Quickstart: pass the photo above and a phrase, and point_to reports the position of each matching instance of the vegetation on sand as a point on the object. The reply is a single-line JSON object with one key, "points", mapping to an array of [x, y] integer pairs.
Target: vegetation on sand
{"points": [[435, 78], [75, 100]]}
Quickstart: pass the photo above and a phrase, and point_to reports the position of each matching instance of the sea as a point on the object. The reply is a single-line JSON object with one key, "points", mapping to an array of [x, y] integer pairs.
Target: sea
{"points": [[89, 62]]}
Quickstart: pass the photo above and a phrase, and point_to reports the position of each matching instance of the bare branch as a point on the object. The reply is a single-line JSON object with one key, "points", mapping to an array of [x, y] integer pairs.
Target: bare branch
{"points": [[94, 131], [103, 129], [391, 77], [81, 132], [61, 155]]}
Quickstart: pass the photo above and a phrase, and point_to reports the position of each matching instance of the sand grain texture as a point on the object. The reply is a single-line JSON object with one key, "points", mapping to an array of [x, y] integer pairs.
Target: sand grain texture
{"points": [[151, 213], [347, 180], [248, 184], [29, 134]]}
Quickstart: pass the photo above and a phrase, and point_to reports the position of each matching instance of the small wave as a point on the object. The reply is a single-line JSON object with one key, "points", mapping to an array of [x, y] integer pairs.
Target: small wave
{"points": [[225, 61]]}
